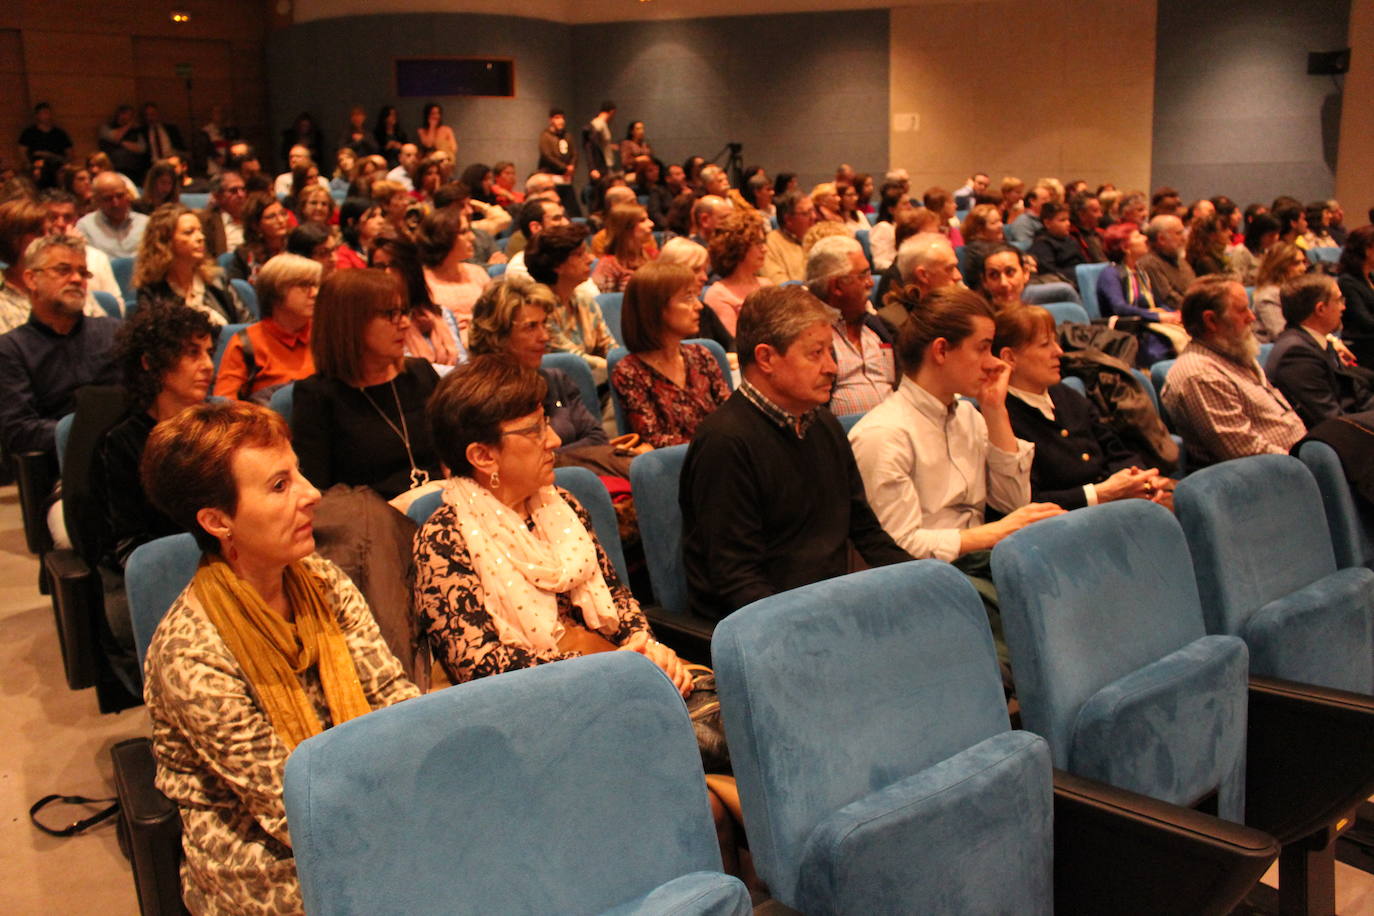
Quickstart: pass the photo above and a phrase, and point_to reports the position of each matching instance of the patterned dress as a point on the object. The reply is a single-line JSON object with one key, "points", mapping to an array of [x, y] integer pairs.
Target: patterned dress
{"points": [[220, 759], [663, 412], [451, 603]]}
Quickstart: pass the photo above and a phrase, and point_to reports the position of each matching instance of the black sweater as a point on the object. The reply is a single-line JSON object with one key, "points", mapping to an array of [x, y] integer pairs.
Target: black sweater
{"points": [[764, 511]]}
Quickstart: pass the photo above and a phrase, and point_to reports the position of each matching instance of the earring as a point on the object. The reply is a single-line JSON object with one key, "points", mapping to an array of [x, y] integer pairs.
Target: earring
{"points": [[494, 481]]}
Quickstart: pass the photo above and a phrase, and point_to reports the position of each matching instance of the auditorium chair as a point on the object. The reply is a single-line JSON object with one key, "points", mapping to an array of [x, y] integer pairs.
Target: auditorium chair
{"points": [[248, 296], [283, 399], [616, 355], [574, 787], [1066, 312], [610, 305], [1352, 529], [879, 772], [1087, 275], [496, 270], [1114, 668], [222, 338], [861, 236], [112, 306], [581, 374], [123, 269]]}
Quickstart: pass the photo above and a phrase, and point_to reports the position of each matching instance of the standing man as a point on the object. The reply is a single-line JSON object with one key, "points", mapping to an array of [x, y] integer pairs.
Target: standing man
{"points": [[597, 142], [558, 158], [164, 140]]}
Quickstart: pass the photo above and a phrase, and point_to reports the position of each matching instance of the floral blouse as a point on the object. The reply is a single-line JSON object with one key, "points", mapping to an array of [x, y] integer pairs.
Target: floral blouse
{"points": [[661, 411], [451, 603]]}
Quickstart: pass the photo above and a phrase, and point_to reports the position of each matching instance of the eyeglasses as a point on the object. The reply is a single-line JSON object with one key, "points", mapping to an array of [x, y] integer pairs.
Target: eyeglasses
{"points": [[393, 315], [535, 431], [65, 270]]}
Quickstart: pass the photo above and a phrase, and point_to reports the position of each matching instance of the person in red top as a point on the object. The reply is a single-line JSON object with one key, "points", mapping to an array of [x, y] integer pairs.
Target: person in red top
{"points": [[276, 350]]}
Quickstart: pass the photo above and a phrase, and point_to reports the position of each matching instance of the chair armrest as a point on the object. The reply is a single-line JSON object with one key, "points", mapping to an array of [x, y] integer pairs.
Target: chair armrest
{"points": [[150, 829], [686, 634], [35, 473], [1309, 758], [696, 892], [76, 600], [1128, 853]]}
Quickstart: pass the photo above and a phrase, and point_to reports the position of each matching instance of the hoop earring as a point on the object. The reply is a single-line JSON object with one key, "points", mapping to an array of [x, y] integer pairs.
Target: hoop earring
{"points": [[494, 481]]}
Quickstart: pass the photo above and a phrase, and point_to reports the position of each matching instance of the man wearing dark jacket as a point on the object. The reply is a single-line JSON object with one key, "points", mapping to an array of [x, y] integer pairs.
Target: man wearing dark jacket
{"points": [[1304, 363]]}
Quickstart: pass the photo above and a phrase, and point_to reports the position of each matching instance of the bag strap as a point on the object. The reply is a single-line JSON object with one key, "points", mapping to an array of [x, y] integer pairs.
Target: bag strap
{"points": [[74, 827], [250, 363]]}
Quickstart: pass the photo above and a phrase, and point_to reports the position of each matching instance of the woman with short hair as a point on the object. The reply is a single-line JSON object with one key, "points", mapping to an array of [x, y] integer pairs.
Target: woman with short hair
{"points": [[172, 267], [737, 253], [433, 334], [269, 645], [558, 258], [629, 246], [689, 254], [266, 224], [274, 351], [315, 204], [360, 224]]}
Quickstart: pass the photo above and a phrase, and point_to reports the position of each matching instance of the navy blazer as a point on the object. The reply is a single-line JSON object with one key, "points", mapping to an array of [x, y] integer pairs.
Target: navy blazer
{"points": [[1312, 379], [1074, 449]]}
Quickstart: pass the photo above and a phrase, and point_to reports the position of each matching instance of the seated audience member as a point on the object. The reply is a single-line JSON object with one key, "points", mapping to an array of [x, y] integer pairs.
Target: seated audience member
{"points": [[666, 387], [267, 646], [75, 179], [173, 268], [1243, 258], [1124, 290], [715, 182], [927, 262], [22, 220], [771, 497], [394, 201], [1208, 238], [266, 225], [738, 250], [558, 258], [1217, 394], [940, 202], [503, 191], [1006, 280], [1318, 219], [1169, 271], [966, 196], [629, 246], [784, 261], [1013, 192], [272, 352], [1134, 208], [55, 351], [930, 461], [433, 334], [1283, 261], [315, 205], [982, 232], [222, 220], [360, 224], [360, 419], [1336, 224], [485, 220], [687, 253], [1305, 364], [757, 193], [838, 274], [1022, 230], [444, 240], [1085, 215], [501, 505], [893, 202], [1354, 271], [408, 163], [297, 158], [160, 186], [1055, 250], [113, 226], [1292, 222], [913, 221], [1165, 201], [1079, 460], [511, 319], [533, 217], [61, 216], [850, 213], [707, 213], [316, 242]]}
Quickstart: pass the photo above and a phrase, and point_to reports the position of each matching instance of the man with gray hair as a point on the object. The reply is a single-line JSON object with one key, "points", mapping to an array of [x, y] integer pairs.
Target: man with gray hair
{"points": [[112, 226], [771, 497], [58, 350], [1169, 271], [928, 262], [784, 260], [837, 273]]}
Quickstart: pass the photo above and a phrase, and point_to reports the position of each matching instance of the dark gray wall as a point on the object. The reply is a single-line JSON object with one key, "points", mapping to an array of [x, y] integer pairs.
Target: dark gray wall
{"points": [[1235, 111], [802, 92]]}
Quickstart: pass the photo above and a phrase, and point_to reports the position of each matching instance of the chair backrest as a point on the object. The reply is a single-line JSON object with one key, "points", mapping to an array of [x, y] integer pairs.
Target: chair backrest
{"points": [[611, 304], [496, 270], [1352, 536], [1254, 530], [61, 434], [569, 807], [196, 201], [225, 261], [422, 507], [1066, 312], [581, 374], [1324, 255], [123, 269], [156, 573], [909, 645], [847, 420], [226, 333], [1159, 374], [622, 423], [109, 303], [964, 257], [861, 236], [248, 296], [591, 493], [654, 478], [1087, 287], [282, 400], [1086, 598], [721, 358], [1076, 383], [873, 290]]}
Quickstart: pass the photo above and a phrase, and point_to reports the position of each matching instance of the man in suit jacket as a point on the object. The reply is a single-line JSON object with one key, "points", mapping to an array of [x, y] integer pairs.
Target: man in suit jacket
{"points": [[1304, 364], [222, 220]]}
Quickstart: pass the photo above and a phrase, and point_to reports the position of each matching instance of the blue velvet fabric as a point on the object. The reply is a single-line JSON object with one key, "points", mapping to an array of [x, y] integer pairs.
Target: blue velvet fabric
{"points": [[654, 480], [702, 893], [566, 788], [157, 572], [1173, 730], [1266, 571], [840, 689], [1351, 537], [970, 834]]}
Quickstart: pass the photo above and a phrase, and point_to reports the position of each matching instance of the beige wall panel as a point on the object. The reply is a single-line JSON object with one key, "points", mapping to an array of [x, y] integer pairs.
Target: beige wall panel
{"points": [[83, 52], [1355, 160], [158, 58]]}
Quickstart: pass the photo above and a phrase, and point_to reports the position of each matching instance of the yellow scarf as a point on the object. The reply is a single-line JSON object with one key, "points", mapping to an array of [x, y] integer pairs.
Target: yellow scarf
{"points": [[274, 652]]}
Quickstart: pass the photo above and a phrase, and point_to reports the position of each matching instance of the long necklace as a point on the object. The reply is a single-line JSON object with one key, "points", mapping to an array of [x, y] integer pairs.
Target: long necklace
{"points": [[418, 476]]}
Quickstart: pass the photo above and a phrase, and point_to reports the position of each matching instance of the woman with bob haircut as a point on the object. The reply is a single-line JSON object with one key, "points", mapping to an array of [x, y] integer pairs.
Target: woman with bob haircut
{"points": [[432, 334], [737, 253], [275, 351], [266, 225], [445, 243], [686, 253], [982, 232], [1079, 459], [269, 645], [360, 419], [666, 387], [558, 258], [172, 268], [629, 246]]}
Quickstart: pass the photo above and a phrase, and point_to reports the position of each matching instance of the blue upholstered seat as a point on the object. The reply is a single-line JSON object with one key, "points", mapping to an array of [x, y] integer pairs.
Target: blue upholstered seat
{"points": [[567, 788], [123, 269], [876, 765], [109, 303], [654, 479], [282, 400], [222, 338], [622, 424], [1087, 275], [610, 304], [1266, 572], [1066, 312], [861, 236], [1352, 535], [248, 296], [156, 573], [1112, 663]]}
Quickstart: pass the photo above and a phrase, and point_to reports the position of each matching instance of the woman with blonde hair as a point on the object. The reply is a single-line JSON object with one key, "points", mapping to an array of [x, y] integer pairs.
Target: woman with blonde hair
{"points": [[737, 252], [1283, 261], [629, 246], [316, 205], [173, 268], [687, 253], [274, 351], [826, 197]]}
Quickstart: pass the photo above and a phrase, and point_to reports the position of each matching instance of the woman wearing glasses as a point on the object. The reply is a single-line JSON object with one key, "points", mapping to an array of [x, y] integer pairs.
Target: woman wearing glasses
{"points": [[275, 351], [360, 419]]}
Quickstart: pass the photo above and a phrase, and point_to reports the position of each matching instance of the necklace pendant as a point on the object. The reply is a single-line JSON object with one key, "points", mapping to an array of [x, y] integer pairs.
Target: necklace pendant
{"points": [[418, 477]]}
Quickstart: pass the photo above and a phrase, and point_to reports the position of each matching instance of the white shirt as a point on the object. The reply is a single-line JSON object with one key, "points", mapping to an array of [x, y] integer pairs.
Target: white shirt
{"points": [[282, 186], [115, 241], [233, 231], [929, 470], [401, 177]]}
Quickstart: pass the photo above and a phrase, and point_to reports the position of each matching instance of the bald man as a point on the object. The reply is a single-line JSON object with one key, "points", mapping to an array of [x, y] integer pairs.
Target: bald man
{"points": [[112, 226]]}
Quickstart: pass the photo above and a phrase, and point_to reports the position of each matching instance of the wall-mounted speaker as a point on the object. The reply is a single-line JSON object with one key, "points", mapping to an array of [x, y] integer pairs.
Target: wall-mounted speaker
{"points": [[1328, 63]]}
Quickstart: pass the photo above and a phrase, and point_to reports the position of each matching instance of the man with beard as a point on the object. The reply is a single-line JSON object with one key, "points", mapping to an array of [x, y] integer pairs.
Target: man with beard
{"points": [[1220, 399]]}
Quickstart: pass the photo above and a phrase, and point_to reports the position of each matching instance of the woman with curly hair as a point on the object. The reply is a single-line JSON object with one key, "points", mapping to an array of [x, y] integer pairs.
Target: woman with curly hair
{"points": [[172, 268], [266, 225], [1207, 240], [737, 254], [629, 246], [315, 205]]}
